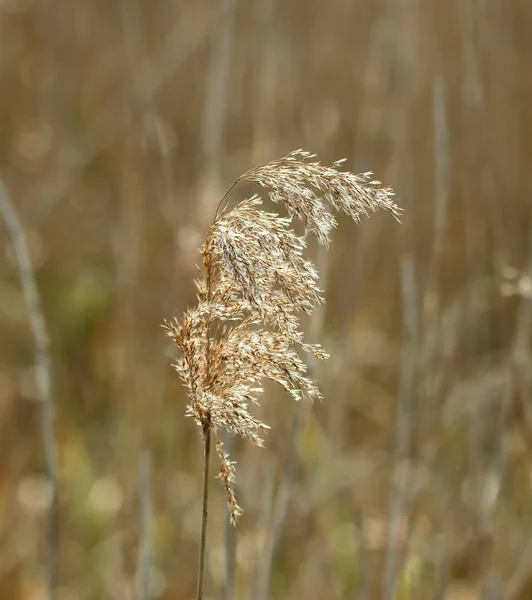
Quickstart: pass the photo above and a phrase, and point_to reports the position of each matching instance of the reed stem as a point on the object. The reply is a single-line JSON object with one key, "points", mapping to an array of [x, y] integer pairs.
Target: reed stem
{"points": [[204, 512]]}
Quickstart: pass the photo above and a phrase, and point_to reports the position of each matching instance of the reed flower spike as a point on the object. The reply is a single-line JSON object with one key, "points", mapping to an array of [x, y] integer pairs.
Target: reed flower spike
{"points": [[254, 285]]}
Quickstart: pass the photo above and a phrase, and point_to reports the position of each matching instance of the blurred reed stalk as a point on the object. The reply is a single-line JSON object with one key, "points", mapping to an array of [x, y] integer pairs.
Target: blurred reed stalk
{"points": [[217, 85], [146, 522], [254, 285], [216, 108], [43, 373]]}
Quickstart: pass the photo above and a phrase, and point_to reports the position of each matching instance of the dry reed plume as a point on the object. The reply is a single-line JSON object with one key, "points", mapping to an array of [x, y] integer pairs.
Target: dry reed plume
{"points": [[255, 282]]}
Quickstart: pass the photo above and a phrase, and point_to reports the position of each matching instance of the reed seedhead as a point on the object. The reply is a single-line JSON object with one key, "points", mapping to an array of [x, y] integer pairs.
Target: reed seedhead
{"points": [[254, 285]]}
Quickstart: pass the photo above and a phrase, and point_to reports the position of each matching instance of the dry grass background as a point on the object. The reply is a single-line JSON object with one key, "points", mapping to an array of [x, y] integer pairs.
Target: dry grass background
{"points": [[121, 123]]}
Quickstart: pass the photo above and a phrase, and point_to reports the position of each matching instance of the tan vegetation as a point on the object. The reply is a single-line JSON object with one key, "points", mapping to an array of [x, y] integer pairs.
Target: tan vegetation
{"points": [[122, 123]]}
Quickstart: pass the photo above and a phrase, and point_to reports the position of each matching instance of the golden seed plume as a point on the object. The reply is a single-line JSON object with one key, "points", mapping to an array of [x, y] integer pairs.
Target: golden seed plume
{"points": [[254, 284]]}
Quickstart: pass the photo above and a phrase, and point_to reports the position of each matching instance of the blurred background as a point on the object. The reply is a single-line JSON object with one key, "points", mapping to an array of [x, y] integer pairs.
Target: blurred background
{"points": [[121, 124]]}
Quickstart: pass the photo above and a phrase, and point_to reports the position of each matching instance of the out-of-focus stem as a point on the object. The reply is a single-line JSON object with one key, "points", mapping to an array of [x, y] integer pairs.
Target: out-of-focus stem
{"points": [[145, 556], [43, 375]]}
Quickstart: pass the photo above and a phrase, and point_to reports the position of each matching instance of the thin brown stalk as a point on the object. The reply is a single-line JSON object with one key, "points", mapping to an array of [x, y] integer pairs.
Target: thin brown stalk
{"points": [[265, 74], [219, 206], [281, 505], [43, 376], [146, 522], [216, 108], [217, 84], [204, 509], [363, 566], [405, 420]]}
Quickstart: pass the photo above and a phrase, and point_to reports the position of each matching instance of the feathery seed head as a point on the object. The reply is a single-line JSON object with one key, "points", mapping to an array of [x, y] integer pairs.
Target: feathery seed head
{"points": [[253, 287]]}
